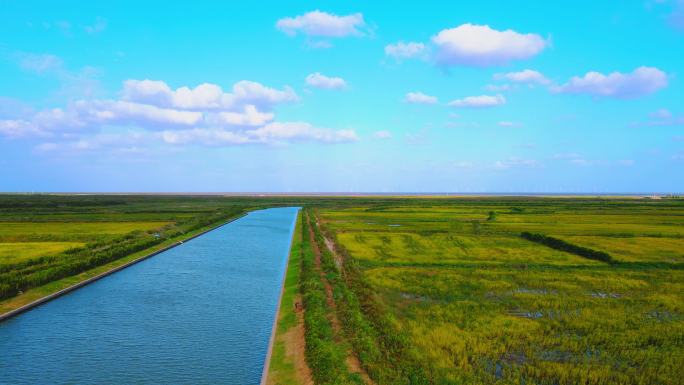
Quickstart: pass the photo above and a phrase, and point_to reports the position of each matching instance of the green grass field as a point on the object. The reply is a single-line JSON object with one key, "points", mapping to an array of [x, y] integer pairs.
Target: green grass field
{"points": [[285, 359], [472, 302], [14, 252]]}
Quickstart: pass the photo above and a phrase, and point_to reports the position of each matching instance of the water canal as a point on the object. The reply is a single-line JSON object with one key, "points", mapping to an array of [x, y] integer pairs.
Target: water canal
{"points": [[200, 313]]}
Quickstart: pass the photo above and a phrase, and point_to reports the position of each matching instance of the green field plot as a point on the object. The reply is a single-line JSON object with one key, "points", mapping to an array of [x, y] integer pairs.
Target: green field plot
{"points": [[469, 301], [451, 248], [635, 249], [14, 252], [67, 231]]}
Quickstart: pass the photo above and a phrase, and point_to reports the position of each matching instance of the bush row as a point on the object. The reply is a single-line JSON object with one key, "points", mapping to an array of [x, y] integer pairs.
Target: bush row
{"points": [[562, 245]]}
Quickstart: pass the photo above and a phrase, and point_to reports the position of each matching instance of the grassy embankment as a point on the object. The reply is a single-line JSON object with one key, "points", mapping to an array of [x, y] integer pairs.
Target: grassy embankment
{"points": [[288, 363], [457, 295]]}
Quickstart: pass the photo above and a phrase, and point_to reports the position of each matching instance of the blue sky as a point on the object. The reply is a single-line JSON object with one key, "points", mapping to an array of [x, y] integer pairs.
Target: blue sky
{"points": [[350, 96]]}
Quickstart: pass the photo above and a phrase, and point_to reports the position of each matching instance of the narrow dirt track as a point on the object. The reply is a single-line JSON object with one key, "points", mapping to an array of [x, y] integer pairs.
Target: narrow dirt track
{"points": [[295, 345], [352, 361]]}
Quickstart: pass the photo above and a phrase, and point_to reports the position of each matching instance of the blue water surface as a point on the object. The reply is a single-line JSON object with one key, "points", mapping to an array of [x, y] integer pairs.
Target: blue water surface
{"points": [[200, 313]]}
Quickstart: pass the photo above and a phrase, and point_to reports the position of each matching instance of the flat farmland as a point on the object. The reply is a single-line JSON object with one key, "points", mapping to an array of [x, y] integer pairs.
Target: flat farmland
{"points": [[470, 301], [81, 231]]}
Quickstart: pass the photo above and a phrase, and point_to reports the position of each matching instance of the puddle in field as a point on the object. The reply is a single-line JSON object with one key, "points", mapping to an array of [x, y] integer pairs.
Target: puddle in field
{"points": [[414, 297], [523, 290], [662, 315], [556, 356], [394, 225], [550, 314], [600, 294]]}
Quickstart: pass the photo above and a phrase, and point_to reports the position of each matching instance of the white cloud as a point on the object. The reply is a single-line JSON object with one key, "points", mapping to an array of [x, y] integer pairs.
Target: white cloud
{"points": [[482, 101], [249, 117], [515, 162], [203, 115], [482, 46], [319, 80], [206, 96], [272, 133], [249, 92], [401, 50], [323, 24], [278, 131], [204, 136], [383, 134], [15, 128], [123, 142], [420, 98], [640, 82], [525, 77]]}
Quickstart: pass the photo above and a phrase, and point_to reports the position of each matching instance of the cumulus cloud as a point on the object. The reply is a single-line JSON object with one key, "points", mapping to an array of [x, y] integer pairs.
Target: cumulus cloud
{"points": [[482, 101], [401, 50], [14, 128], [322, 24], [250, 117], [204, 115], [121, 143], [524, 77], [279, 131], [482, 46], [204, 136], [420, 98], [640, 82], [206, 96], [319, 80]]}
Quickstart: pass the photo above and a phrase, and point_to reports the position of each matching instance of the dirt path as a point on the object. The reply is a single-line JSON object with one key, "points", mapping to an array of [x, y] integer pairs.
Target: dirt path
{"points": [[353, 363], [295, 345]]}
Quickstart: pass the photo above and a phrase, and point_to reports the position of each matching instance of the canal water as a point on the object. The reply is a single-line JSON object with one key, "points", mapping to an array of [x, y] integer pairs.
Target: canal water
{"points": [[200, 313]]}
